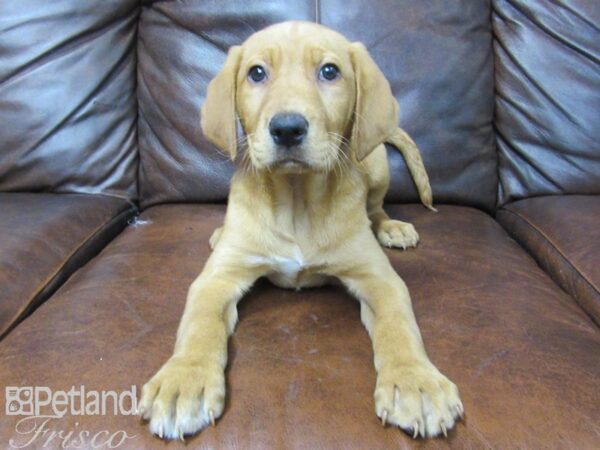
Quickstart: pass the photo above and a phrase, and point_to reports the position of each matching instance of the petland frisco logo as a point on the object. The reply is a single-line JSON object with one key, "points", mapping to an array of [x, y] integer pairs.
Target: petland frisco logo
{"points": [[42, 410], [42, 401]]}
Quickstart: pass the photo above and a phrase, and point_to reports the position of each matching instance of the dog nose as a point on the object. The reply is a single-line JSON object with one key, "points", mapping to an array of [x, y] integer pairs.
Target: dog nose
{"points": [[288, 129]]}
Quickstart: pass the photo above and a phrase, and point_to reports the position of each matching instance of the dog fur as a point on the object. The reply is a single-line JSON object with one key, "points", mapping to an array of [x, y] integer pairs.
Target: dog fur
{"points": [[302, 216]]}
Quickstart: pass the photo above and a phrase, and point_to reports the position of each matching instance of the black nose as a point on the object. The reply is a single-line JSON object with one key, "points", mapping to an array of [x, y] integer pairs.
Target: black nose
{"points": [[288, 129]]}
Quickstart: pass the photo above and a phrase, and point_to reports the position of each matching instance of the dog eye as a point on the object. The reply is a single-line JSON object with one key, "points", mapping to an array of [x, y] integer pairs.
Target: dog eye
{"points": [[329, 72], [257, 74]]}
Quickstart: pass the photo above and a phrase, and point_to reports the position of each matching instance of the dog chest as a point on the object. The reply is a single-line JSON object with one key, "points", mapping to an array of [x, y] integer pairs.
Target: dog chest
{"points": [[290, 270], [290, 264]]}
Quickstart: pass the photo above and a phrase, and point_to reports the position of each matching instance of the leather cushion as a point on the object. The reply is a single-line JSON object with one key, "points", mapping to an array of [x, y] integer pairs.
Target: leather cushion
{"points": [[68, 96], [44, 239], [547, 58], [301, 367], [438, 60], [563, 235]]}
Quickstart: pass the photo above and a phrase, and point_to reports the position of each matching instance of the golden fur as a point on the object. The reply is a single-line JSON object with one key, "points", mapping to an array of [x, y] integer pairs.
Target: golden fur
{"points": [[301, 221]]}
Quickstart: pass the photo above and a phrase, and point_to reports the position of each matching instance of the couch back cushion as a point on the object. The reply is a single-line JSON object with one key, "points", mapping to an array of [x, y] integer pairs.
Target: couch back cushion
{"points": [[437, 57], [67, 96], [547, 57]]}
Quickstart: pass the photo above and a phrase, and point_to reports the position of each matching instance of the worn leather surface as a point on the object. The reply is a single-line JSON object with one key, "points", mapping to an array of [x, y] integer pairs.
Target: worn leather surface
{"points": [[44, 238], [68, 96], [301, 372], [547, 64], [438, 60], [563, 235]]}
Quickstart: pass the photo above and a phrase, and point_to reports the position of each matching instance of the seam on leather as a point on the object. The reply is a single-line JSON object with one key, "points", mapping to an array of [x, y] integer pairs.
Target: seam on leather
{"points": [[132, 203], [136, 122], [554, 246], [318, 11], [497, 200], [37, 298]]}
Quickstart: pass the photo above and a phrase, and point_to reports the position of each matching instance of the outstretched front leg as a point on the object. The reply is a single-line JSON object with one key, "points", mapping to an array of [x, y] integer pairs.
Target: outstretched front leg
{"points": [[188, 392], [411, 392]]}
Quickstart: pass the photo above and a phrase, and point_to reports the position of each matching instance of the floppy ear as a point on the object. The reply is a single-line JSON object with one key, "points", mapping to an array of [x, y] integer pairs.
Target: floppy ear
{"points": [[376, 109], [218, 114]]}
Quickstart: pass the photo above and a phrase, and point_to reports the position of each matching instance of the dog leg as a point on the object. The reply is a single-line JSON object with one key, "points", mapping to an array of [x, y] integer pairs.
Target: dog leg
{"points": [[390, 233], [188, 392], [395, 233], [214, 238], [411, 392]]}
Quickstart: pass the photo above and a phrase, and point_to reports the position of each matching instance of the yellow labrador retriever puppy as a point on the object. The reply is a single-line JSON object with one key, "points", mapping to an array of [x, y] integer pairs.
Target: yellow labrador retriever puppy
{"points": [[305, 206]]}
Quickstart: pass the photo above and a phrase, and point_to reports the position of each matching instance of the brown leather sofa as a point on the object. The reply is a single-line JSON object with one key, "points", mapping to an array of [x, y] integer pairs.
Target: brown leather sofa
{"points": [[99, 123]]}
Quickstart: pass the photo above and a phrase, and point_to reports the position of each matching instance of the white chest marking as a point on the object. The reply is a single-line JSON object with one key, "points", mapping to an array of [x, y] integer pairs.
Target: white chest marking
{"points": [[287, 265]]}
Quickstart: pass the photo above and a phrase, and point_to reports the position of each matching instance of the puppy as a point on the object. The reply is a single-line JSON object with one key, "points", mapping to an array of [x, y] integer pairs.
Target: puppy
{"points": [[305, 205]]}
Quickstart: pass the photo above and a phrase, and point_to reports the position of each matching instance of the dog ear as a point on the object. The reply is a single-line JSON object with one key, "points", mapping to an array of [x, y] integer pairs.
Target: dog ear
{"points": [[376, 109], [218, 114]]}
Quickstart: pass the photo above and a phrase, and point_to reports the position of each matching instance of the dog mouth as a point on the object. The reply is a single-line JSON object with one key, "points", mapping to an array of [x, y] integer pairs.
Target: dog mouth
{"points": [[290, 164]]}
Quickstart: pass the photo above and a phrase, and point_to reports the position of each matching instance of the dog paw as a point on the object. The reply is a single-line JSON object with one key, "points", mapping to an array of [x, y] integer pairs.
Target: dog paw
{"points": [[394, 233], [182, 398], [214, 238], [418, 399]]}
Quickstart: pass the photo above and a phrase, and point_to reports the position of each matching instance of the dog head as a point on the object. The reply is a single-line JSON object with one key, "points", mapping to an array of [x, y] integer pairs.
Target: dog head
{"points": [[304, 96]]}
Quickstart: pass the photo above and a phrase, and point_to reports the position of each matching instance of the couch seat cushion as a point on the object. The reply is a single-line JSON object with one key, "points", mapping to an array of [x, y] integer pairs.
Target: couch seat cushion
{"points": [[300, 369], [563, 235], [45, 238]]}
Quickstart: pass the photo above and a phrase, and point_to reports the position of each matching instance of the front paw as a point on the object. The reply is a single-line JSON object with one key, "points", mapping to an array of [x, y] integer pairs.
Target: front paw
{"points": [[418, 399], [182, 398], [394, 233]]}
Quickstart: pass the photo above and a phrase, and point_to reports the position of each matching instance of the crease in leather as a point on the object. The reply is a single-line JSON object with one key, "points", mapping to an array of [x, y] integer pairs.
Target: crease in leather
{"points": [[173, 187], [532, 166], [141, 80], [555, 247], [135, 123], [132, 133], [131, 202], [556, 36], [558, 29], [531, 79], [109, 76], [175, 124], [45, 288], [198, 33], [66, 47]]}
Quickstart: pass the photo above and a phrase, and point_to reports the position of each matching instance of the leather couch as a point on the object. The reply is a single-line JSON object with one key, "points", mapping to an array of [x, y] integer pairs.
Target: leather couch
{"points": [[110, 192]]}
